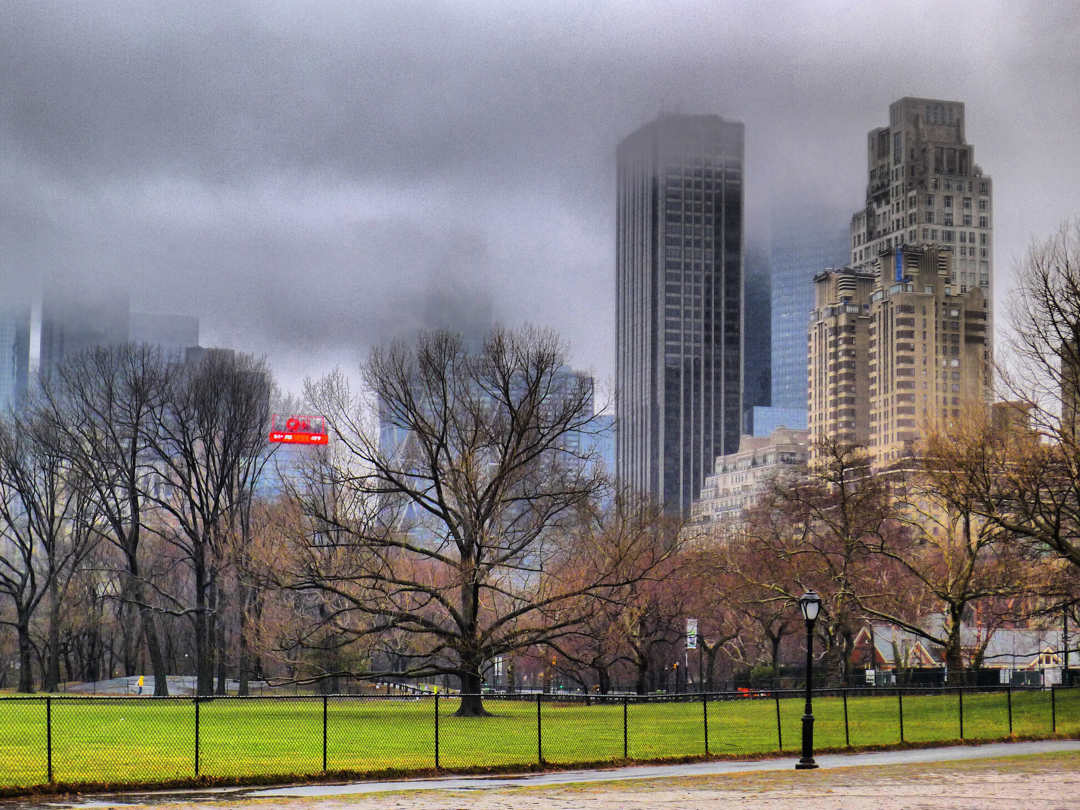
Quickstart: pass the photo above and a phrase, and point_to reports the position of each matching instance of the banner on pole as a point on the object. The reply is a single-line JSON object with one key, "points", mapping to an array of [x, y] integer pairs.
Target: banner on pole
{"points": [[691, 634]]}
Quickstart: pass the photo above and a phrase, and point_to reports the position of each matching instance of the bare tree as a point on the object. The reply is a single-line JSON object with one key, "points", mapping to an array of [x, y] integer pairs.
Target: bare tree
{"points": [[107, 403], [209, 448], [47, 525], [1022, 472], [949, 560], [819, 532], [473, 524]]}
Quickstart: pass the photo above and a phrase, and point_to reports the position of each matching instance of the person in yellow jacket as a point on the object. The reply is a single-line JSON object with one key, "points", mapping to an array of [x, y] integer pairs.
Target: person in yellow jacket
{"points": [[140, 684]]}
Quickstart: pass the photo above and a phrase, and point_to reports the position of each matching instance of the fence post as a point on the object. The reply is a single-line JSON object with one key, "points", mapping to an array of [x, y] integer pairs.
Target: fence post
{"points": [[324, 733], [196, 736], [1008, 698], [960, 692], [779, 730], [847, 728], [625, 748], [900, 696], [48, 736], [436, 730], [705, 714], [1053, 711], [539, 733]]}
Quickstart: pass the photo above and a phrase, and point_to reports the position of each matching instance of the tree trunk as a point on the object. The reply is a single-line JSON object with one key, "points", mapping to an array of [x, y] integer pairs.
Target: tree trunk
{"points": [[243, 598], [149, 630], [710, 665], [472, 703], [849, 647], [641, 686], [204, 664], [26, 652], [774, 644], [604, 680], [52, 665], [954, 653], [130, 617], [219, 649]]}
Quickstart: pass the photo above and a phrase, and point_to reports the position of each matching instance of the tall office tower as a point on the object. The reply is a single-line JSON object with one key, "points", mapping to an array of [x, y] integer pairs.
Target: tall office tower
{"points": [[14, 353], [679, 304], [174, 334], [926, 189], [896, 351], [74, 322], [805, 241], [757, 332]]}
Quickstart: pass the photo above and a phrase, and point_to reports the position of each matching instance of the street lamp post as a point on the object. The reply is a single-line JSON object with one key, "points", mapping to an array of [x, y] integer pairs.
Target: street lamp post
{"points": [[810, 603]]}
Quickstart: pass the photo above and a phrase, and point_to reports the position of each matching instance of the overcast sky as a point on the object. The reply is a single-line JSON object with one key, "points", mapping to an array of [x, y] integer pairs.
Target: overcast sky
{"points": [[297, 174]]}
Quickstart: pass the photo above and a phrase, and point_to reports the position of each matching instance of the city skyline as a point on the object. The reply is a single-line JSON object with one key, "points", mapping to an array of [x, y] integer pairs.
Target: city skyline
{"points": [[298, 182]]}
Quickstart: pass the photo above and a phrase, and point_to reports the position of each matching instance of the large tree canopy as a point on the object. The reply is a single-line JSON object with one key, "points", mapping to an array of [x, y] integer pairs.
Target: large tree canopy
{"points": [[461, 505]]}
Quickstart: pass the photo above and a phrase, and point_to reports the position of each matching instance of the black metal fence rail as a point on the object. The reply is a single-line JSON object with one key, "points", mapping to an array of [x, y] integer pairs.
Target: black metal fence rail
{"points": [[121, 739]]}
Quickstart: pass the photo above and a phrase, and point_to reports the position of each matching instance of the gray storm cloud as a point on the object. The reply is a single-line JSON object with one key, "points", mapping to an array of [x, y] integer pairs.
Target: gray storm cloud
{"points": [[302, 175]]}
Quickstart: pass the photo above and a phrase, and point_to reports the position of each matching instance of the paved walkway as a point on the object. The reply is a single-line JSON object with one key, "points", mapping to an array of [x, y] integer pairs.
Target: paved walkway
{"points": [[877, 758], [490, 792]]}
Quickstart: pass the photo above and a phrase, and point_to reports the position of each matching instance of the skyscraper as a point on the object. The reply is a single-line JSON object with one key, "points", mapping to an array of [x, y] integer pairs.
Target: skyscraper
{"points": [[926, 189], [14, 353], [74, 321], [804, 242], [679, 300], [901, 340]]}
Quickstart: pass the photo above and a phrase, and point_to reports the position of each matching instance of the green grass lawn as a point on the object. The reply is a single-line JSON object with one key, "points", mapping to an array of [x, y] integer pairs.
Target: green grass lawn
{"points": [[141, 740]]}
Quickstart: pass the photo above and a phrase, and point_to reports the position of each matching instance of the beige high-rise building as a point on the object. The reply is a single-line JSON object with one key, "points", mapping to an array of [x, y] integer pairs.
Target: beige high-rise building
{"points": [[838, 381], [929, 349], [896, 351], [925, 188]]}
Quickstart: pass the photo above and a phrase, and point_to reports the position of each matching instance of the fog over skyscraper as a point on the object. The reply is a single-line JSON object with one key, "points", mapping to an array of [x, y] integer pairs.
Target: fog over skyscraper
{"points": [[804, 242], [679, 304]]}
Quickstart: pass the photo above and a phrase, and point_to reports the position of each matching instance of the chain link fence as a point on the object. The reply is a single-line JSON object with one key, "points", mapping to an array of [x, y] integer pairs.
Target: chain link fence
{"points": [[141, 740]]}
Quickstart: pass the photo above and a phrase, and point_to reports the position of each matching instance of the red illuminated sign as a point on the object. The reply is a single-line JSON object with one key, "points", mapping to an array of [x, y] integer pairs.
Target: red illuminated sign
{"points": [[296, 429]]}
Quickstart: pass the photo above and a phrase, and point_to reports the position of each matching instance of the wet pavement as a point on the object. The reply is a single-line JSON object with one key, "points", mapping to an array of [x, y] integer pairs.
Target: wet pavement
{"points": [[480, 783]]}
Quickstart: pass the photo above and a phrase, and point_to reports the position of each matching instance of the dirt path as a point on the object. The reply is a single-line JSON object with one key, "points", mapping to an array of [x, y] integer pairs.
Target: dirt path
{"points": [[1042, 782]]}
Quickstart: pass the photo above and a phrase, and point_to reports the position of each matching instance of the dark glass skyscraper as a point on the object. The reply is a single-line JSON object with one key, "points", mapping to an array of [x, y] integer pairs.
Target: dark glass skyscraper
{"points": [[679, 298]]}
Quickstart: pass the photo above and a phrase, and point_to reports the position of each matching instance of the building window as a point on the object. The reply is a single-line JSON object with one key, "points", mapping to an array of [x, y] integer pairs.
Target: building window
{"points": [[967, 220], [948, 197], [929, 199], [984, 222], [983, 205], [930, 217]]}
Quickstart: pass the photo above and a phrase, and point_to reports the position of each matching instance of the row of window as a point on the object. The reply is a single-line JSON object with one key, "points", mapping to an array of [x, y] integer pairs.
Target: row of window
{"points": [[966, 220], [984, 186]]}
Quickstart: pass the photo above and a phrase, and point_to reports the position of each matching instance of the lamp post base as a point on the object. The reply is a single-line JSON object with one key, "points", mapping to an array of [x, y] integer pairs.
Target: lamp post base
{"points": [[807, 760]]}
